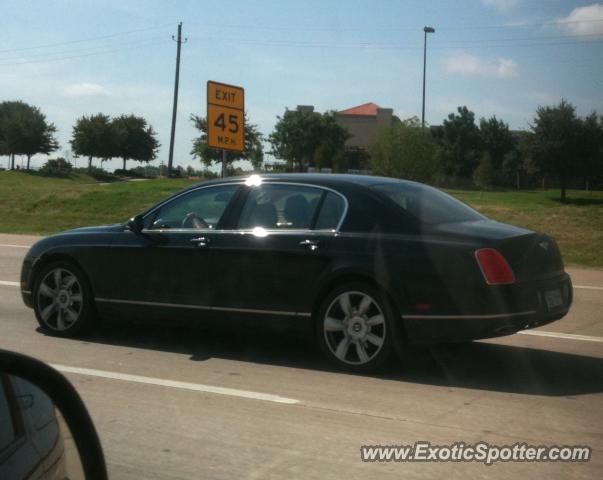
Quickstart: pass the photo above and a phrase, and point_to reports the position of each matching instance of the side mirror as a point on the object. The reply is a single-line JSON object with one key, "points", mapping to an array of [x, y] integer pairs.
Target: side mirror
{"points": [[136, 224], [49, 433]]}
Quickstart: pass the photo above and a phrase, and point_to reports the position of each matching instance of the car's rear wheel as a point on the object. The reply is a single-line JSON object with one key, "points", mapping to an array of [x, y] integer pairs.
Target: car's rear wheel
{"points": [[354, 327], [63, 300]]}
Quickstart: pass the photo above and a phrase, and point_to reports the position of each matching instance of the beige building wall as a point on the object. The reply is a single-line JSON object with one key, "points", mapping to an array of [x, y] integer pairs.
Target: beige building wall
{"points": [[363, 128]]}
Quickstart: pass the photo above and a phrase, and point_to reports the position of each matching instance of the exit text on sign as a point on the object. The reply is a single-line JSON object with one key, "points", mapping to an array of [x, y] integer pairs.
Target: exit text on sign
{"points": [[225, 95]]}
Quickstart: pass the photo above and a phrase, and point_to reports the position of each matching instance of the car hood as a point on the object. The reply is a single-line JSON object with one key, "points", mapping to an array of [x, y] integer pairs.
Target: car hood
{"points": [[115, 227]]}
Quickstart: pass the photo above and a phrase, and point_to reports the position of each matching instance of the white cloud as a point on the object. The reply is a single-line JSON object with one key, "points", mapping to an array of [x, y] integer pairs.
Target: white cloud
{"points": [[501, 5], [85, 90], [584, 20], [462, 63]]}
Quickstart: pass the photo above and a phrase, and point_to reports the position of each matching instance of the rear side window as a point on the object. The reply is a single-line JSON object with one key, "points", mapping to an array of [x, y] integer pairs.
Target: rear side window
{"points": [[280, 207], [331, 212], [427, 204]]}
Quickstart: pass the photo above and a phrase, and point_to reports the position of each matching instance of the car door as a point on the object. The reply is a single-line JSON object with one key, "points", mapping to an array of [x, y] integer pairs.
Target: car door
{"points": [[269, 263], [169, 262]]}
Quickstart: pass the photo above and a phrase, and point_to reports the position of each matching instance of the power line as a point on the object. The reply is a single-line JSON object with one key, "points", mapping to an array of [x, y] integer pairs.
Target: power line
{"points": [[393, 27], [520, 39], [90, 39], [395, 46], [116, 50], [549, 23], [86, 49]]}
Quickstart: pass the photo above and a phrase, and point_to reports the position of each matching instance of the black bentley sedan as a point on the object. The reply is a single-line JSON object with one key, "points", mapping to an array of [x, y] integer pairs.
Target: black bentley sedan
{"points": [[372, 263]]}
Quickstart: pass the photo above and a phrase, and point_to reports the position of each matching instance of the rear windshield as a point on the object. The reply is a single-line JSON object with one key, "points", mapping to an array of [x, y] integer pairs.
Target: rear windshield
{"points": [[427, 204]]}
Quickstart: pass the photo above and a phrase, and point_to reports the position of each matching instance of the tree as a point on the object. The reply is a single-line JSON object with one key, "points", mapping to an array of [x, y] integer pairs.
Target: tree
{"points": [[25, 131], [56, 167], [555, 144], [404, 150], [590, 143], [306, 138], [496, 140], [95, 136], [460, 143], [484, 175], [136, 140], [254, 150]]}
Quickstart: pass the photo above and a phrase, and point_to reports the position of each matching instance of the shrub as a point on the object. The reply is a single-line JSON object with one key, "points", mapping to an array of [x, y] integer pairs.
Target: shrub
{"points": [[57, 167]]}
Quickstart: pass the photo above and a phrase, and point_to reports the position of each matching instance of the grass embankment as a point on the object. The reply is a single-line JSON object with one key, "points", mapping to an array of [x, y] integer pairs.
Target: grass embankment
{"points": [[39, 205], [35, 204]]}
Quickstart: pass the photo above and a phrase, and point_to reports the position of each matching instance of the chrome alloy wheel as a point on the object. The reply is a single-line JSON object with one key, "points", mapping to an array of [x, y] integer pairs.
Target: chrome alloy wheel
{"points": [[354, 328], [59, 299]]}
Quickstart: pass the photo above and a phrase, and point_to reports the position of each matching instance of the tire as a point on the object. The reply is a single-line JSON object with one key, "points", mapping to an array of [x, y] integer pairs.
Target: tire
{"points": [[65, 309], [362, 339]]}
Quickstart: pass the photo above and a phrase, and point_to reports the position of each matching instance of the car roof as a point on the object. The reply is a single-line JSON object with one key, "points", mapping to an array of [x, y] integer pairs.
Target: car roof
{"points": [[325, 179]]}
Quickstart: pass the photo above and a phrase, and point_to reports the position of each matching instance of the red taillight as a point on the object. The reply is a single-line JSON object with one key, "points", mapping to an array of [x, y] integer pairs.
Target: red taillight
{"points": [[495, 268]]}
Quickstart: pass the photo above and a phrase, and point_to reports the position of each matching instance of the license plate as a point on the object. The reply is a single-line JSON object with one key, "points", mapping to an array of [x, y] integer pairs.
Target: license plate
{"points": [[553, 298]]}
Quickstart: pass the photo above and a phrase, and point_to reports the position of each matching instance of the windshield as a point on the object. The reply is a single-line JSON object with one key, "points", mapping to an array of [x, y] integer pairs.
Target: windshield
{"points": [[427, 204]]}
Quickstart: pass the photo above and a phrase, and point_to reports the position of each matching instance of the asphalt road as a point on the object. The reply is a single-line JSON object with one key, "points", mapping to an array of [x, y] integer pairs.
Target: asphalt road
{"points": [[198, 403]]}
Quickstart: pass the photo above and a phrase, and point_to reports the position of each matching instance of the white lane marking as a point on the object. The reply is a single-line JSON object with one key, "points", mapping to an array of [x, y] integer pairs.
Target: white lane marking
{"points": [[588, 287], [566, 336], [197, 387], [14, 246], [9, 284]]}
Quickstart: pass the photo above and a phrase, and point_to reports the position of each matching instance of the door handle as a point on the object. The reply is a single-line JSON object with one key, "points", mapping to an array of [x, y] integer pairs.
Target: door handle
{"points": [[311, 245], [200, 241]]}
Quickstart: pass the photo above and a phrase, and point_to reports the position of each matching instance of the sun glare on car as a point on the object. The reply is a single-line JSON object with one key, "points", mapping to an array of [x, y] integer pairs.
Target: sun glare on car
{"points": [[253, 181]]}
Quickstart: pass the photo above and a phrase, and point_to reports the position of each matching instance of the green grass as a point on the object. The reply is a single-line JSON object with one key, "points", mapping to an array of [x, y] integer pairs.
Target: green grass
{"points": [[39, 205], [42, 205]]}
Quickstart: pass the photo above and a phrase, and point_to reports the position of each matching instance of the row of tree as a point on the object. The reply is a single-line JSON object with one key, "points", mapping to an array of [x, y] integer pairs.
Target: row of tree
{"points": [[559, 145], [24, 130], [128, 137]]}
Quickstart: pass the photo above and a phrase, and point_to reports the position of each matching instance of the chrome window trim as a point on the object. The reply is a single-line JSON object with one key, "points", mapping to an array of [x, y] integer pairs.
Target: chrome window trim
{"points": [[309, 185], [289, 231], [202, 307], [186, 192], [238, 184], [468, 317]]}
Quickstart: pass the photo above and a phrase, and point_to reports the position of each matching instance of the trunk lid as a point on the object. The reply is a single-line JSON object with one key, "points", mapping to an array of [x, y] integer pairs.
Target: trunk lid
{"points": [[531, 255]]}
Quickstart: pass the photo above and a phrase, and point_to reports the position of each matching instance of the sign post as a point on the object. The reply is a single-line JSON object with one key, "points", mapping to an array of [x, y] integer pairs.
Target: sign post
{"points": [[225, 119]]}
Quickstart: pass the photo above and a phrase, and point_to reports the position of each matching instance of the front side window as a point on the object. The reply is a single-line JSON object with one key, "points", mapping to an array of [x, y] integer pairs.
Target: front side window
{"points": [[280, 207], [200, 209]]}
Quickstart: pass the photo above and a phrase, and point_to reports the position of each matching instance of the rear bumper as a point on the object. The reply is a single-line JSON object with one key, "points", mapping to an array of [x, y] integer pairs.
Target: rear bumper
{"points": [[459, 327]]}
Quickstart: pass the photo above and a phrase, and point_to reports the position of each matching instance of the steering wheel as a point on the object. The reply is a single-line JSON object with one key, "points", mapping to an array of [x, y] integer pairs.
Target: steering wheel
{"points": [[193, 220]]}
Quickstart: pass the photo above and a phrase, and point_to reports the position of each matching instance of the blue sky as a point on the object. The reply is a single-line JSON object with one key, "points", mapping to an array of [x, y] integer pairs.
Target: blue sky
{"points": [[498, 57]]}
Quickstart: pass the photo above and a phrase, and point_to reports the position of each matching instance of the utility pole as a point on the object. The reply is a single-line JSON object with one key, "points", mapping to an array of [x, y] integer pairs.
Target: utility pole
{"points": [[426, 30], [175, 109]]}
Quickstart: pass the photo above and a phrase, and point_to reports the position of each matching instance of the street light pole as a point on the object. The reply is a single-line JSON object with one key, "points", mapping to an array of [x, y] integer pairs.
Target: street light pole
{"points": [[426, 30]]}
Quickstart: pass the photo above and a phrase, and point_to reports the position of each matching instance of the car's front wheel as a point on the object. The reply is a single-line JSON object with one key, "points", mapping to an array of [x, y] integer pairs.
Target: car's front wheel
{"points": [[355, 327], [63, 300]]}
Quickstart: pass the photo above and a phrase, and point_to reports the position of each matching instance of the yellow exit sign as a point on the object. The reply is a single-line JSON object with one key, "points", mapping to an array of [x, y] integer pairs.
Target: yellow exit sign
{"points": [[225, 116]]}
